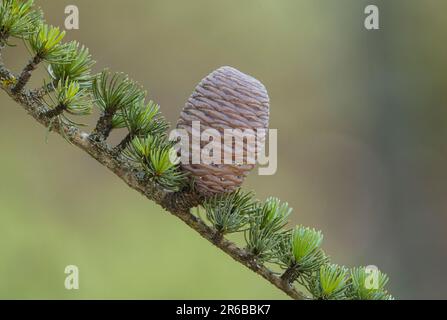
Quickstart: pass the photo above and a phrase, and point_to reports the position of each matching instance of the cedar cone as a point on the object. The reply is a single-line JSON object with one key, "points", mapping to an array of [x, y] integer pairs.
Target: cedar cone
{"points": [[225, 99]]}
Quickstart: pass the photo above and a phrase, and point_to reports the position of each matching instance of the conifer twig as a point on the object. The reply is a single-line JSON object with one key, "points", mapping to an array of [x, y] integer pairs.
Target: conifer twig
{"points": [[143, 159], [178, 204]]}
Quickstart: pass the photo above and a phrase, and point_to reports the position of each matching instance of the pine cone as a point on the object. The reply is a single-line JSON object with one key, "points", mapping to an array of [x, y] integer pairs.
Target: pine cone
{"points": [[225, 99]]}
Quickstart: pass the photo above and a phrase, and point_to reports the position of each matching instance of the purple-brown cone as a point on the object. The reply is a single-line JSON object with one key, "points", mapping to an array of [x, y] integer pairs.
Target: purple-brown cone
{"points": [[225, 99]]}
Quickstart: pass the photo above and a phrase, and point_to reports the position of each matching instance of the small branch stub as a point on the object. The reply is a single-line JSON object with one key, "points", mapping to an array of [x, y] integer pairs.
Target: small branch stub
{"points": [[56, 111], [123, 144], [104, 125], [26, 74]]}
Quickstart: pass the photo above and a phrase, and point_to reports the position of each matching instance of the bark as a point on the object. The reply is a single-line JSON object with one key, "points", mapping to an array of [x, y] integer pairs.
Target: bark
{"points": [[104, 126], [44, 90], [55, 112], [26, 74], [290, 275]]}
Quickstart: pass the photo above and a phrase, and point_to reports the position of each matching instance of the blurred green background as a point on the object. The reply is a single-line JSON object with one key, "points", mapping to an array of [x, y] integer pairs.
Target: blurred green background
{"points": [[362, 124]]}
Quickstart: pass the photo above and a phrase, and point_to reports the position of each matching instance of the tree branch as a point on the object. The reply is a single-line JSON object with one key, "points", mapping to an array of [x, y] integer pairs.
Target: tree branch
{"points": [[178, 204]]}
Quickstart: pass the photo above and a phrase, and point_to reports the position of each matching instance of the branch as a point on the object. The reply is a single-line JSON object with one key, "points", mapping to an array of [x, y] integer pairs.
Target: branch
{"points": [[178, 204]]}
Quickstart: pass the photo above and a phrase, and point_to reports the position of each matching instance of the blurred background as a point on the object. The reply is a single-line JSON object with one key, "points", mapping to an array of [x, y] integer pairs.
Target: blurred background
{"points": [[362, 154]]}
